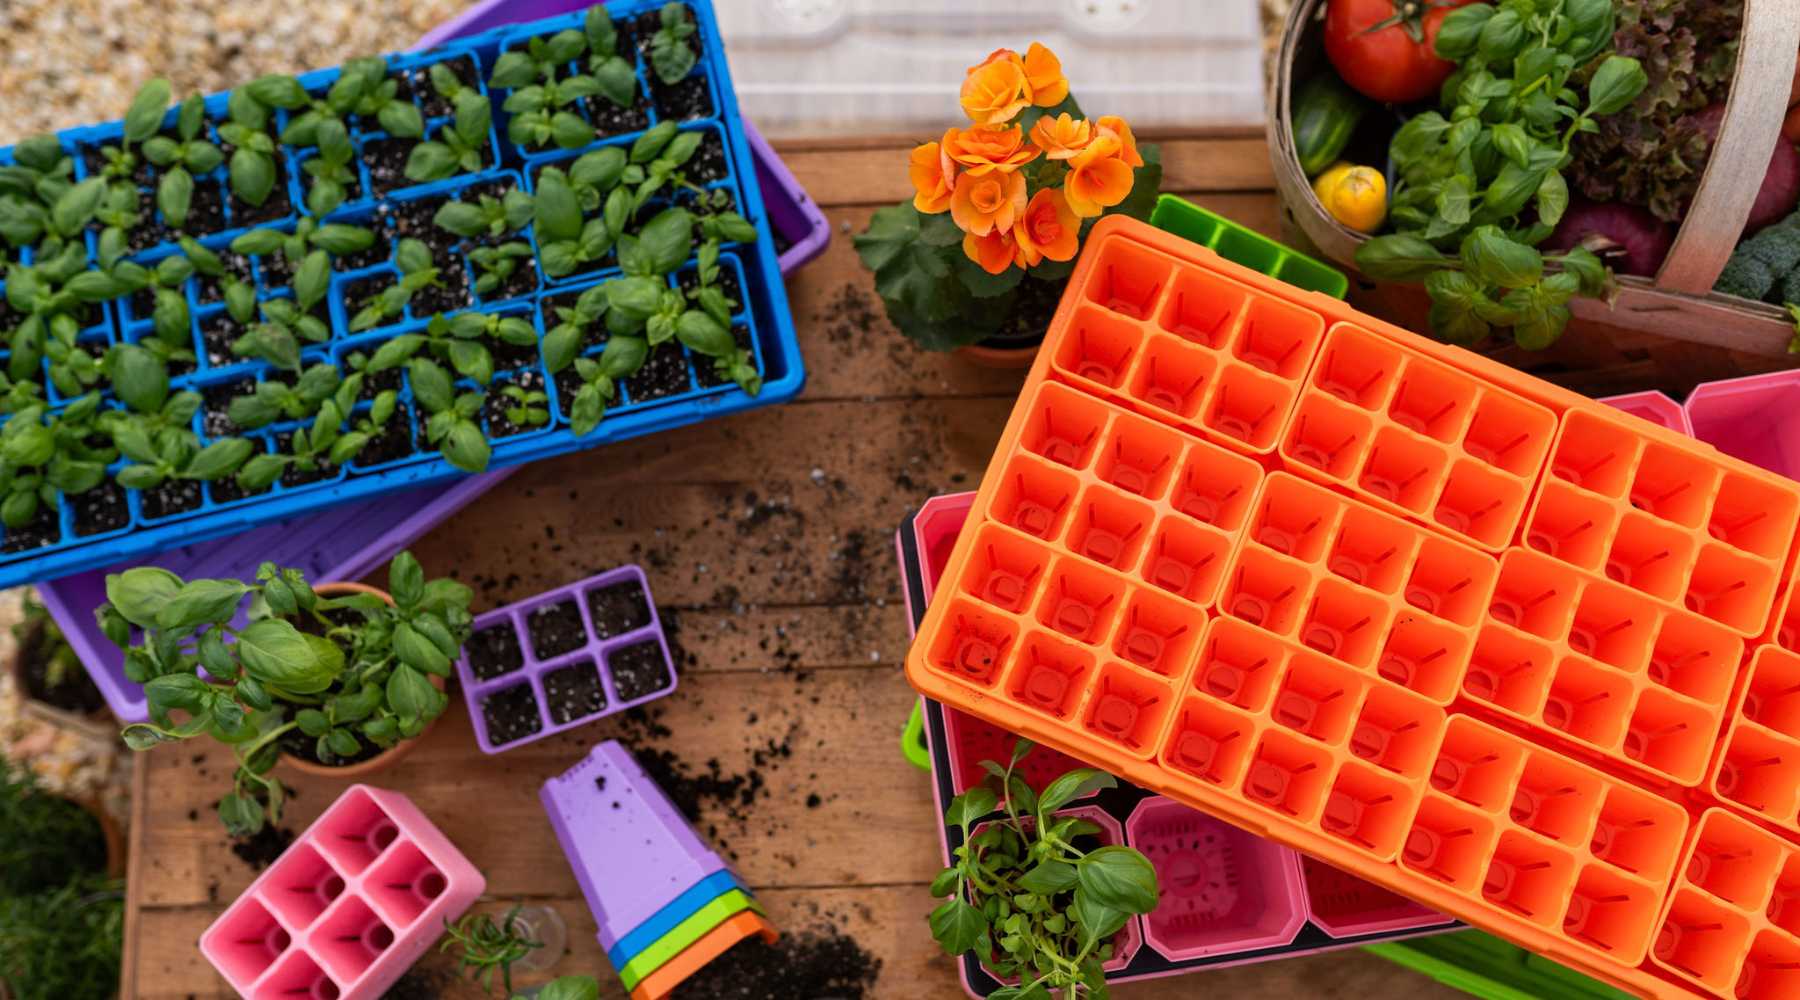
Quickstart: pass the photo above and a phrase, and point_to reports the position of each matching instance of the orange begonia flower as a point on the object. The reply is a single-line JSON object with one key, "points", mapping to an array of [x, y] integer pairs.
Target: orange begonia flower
{"points": [[983, 204], [1048, 229], [996, 89], [983, 150], [1098, 179], [1119, 129], [1061, 137], [1043, 71], [932, 176], [993, 251]]}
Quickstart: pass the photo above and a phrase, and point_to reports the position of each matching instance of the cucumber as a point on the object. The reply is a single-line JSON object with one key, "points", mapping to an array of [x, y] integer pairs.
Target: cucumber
{"points": [[1326, 113]]}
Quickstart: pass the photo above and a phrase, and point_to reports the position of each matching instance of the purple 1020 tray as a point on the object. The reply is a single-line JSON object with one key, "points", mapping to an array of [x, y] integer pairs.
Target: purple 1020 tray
{"points": [[564, 658]]}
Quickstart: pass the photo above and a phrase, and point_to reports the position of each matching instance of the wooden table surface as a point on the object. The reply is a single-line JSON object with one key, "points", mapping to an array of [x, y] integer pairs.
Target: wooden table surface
{"points": [[768, 540]]}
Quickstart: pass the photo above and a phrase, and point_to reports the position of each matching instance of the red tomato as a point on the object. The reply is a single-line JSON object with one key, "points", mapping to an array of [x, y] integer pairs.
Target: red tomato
{"points": [[1385, 63]]}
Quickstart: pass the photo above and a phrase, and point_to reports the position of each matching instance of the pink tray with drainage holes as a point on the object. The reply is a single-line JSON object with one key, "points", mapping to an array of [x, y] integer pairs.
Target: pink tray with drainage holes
{"points": [[348, 907]]}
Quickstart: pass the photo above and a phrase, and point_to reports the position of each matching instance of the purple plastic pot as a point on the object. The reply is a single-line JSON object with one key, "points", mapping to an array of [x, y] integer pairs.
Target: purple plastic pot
{"points": [[631, 851], [601, 652], [343, 544], [797, 222]]}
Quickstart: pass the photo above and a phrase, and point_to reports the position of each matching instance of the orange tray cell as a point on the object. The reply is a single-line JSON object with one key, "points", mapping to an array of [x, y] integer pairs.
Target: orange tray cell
{"points": [[1481, 504], [1357, 367], [1050, 675], [1005, 570], [1139, 456], [1366, 550], [1289, 564], [1065, 426], [1128, 708], [1110, 527], [1433, 401], [1210, 741], [1576, 527], [1203, 308], [1596, 454], [1187, 560], [1215, 486], [1369, 809], [1754, 516], [1403, 471], [1638, 832], [1451, 582], [1247, 408], [1278, 338], [1159, 635], [1510, 670], [1702, 941], [1424, 656], [1034, 497], [1651, 556], [1509, 433], [1529, 878], [1099, 350], [1328, 438], [1676, 486], [1238, 666], [1128, 279]]}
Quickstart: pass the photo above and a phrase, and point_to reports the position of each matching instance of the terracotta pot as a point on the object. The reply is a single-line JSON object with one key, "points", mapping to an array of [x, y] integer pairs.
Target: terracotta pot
{"points": [[99, 722], [989, 354], [386, 758]]}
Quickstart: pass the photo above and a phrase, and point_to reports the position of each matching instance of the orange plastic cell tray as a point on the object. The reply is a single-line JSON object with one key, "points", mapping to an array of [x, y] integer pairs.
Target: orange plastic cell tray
{"points": [[1513, 654]]}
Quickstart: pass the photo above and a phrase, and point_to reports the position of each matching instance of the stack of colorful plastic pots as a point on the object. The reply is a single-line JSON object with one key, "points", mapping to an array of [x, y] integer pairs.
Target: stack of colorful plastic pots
{"points": [[666, 904]]}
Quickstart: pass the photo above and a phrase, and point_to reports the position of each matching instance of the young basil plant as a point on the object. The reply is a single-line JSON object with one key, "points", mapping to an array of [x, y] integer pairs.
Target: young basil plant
{"points": [[362, 88], [1481, 183], [417, 272], [1024, 897], [153, 432], [39, 174], [273, 401], [333, 170], [345, 672], [487, 216], [454, 421], [672, 56], [251, 159], [614, 75], [525, 407], [622, 356], [180, 158], [277, 338], [309, 251], [539, 102], [495, 265], [565, 340], [461, 145], [567, 242]]}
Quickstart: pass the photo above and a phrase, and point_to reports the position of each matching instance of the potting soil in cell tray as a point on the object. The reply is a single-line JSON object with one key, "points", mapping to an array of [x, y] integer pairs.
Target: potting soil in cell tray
{"points": [[564, 658], [1450, 628], [676, 388], [1228, 896]]}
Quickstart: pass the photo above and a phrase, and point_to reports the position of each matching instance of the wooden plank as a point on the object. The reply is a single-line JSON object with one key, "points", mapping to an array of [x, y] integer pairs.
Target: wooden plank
{"points": [[875, 176], [887, 921]]}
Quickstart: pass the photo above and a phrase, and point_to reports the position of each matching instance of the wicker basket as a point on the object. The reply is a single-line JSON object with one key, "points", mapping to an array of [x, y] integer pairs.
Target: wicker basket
{"points": [[1678, 302]]}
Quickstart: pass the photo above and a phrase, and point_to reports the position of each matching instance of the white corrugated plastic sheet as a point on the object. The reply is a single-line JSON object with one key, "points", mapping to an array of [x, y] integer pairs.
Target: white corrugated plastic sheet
{"points": [[810, 67]]}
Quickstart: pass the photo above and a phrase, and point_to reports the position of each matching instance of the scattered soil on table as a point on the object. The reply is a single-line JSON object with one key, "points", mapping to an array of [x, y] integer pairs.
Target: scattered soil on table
{"points": [[102, 508], [555, 629], [664, 374], [76, 693], [574, 692], [494, 651], [176, 496], [511, 715], [419, 983], [618, 609], [261, 849], [803, 965], [639, 670]]}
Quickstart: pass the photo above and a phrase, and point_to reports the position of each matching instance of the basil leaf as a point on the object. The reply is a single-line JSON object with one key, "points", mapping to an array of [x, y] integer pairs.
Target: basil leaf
{"points": [[1491, 258], [276, 653], [1618, 82]]}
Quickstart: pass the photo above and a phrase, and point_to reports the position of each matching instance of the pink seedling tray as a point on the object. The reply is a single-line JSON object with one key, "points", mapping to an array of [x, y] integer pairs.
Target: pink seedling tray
{"points": [[348, 907], [1223, 889], [601, 651], [632, 852]]}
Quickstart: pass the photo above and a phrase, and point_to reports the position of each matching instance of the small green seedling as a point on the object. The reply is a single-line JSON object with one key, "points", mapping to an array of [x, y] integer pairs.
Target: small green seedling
{"points": [[482, 945]]}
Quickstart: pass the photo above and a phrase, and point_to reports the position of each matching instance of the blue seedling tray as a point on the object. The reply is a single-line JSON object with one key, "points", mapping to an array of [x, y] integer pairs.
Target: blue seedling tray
{"points": [[764, 317]]}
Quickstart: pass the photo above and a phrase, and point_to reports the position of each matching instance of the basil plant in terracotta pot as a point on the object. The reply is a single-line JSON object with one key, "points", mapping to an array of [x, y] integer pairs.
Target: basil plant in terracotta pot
{"points": [[335, 680]]}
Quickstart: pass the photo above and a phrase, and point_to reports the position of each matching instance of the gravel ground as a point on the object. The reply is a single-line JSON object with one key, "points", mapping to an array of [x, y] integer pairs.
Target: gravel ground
{"points": [[75, 62]]}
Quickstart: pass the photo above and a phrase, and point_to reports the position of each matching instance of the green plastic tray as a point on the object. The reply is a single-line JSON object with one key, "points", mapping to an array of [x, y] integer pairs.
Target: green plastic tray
{"points": [[1246, 246], [1482, 965]]}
